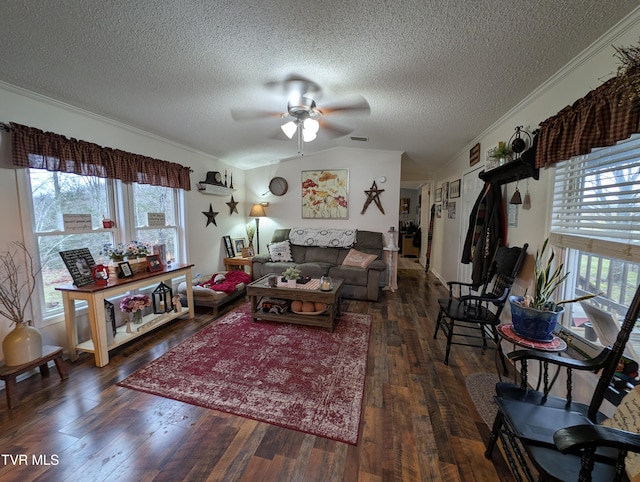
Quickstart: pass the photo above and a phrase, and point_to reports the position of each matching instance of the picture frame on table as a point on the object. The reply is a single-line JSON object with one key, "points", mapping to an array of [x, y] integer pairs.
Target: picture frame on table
{"points": [[228, 246], [238, 244], [154, 264], [80, 264], [125, 269]]}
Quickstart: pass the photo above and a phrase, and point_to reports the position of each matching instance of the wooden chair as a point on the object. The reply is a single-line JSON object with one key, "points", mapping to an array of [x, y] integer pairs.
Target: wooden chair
{"points": [[534, 427], [479, 312]]}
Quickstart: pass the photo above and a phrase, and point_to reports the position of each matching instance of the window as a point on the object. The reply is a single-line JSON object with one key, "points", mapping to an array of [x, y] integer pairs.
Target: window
{"points": [[596, 218], [157, 200], [56, 193]]}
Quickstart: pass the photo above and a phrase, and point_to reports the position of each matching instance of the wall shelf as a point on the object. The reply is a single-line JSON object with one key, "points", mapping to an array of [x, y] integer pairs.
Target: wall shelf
{"points": [[214, 190], [516, 170]]}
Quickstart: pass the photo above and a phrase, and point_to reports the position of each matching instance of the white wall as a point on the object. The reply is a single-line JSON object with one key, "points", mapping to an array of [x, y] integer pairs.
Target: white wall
{"points": [[364, 166]]}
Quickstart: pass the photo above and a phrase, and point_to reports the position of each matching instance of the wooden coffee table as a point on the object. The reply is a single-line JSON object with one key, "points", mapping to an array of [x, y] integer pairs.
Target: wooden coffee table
{"points": [[260, 290]]}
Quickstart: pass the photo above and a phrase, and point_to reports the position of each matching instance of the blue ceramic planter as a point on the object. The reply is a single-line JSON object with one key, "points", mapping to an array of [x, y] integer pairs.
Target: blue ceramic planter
{"points": [[532, 324]]}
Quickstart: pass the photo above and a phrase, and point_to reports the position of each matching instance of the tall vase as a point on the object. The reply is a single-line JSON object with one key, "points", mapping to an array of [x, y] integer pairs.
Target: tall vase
{"points": [[22, 344]]}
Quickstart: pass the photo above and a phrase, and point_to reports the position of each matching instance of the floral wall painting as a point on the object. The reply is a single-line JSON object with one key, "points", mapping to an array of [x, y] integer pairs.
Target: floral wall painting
{"points": [[325, 194]]}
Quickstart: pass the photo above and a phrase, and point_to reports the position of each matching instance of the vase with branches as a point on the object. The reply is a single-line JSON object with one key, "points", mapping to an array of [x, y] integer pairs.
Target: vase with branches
{"points": [[18, 277]]}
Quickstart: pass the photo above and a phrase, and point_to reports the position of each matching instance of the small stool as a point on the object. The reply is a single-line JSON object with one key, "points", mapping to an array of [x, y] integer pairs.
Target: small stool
{"points": [[9, 374]]}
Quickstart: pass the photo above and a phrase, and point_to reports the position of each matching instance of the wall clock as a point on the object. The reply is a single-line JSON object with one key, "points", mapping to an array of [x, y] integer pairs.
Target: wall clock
{"points": [[278, 186]]}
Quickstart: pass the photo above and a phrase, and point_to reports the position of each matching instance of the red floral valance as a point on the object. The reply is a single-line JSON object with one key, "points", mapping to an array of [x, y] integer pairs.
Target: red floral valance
{"points": [[601, 118], [36, 149]]}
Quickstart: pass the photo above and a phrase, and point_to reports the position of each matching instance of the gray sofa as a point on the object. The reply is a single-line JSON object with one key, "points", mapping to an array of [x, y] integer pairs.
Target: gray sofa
{"points": [[314, 261]]}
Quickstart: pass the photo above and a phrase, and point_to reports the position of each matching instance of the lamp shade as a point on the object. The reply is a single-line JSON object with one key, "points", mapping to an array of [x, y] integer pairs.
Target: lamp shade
{"points": [[289, 129], [257, 211]]}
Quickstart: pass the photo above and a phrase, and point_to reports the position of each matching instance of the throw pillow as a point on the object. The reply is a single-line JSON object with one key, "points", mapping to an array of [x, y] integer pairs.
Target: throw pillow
{"points": [[626, 418], [280, 251], [358, 259]]}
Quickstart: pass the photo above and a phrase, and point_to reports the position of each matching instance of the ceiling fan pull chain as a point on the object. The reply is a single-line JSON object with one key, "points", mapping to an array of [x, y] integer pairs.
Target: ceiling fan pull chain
{"points": [[300, 140]]}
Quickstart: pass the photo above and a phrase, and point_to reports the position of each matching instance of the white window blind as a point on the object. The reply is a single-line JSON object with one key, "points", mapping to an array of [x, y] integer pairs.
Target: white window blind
{"points": [[596, 205]]}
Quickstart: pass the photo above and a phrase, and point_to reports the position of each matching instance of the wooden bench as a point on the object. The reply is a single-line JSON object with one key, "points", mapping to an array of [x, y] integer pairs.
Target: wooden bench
{"points": [[9, 374]]}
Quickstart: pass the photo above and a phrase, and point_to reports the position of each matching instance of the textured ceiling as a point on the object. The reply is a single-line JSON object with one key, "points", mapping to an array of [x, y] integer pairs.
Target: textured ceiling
{"points": [[436, 73]]}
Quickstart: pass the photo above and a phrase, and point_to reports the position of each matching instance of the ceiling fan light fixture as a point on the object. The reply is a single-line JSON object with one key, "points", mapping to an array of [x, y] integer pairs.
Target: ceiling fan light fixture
{"points": [[289, 129], [311, 125], [308, 136]]}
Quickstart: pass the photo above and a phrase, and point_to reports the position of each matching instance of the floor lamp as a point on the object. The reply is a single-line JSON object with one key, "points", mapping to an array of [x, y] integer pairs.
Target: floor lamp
{"points": [[257, 211]]}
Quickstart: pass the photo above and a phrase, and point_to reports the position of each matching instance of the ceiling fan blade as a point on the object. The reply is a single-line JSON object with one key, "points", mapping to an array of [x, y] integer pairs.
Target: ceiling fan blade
{"points": [[357, 105], [333, 130], [249, 115]]}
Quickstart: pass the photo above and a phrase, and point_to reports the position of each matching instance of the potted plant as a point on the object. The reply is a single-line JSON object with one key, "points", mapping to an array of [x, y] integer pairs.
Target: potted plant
{"points": [[501, 155], [24, 343], [535, 317], [291, 274]]}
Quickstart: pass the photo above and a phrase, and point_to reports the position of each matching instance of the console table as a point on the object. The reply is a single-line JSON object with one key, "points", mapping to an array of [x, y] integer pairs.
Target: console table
{"points": [[95, 295]]}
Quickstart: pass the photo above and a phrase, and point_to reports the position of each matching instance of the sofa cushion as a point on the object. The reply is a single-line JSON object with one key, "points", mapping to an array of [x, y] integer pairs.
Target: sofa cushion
{"points": [[280, 251], [351, 275], [314, 254], [358, 259]]}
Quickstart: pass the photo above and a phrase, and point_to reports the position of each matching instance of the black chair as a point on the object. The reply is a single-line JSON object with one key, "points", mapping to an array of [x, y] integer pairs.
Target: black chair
{"points": [[477, 315], [559, 437]]}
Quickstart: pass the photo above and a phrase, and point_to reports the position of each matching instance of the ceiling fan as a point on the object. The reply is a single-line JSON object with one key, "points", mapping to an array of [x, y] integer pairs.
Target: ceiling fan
{"points": [[303, 118]]}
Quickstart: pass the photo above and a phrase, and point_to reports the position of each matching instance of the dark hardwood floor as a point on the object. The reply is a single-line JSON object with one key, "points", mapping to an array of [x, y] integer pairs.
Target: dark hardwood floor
{"points": [[418, 421]]}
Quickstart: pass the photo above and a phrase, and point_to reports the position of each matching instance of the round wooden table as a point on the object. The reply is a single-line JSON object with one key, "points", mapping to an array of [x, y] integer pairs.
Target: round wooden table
{"points": [[555, 345]]}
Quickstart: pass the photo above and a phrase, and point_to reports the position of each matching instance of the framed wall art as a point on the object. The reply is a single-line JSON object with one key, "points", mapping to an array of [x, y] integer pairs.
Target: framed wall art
{"points": [[454, 189], [439, 195], [325, 194], [474, 155]]}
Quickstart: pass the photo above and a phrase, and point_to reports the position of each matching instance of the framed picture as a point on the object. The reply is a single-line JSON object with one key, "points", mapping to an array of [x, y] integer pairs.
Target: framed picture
{"points": [[454, 189], [110, 316], [438, 210], [238, 244], [405, 206], [452, 210], [79, 262], [228, 246], [474, 155], [154, 264], [325, 194], [125, 269], [439, 195]]}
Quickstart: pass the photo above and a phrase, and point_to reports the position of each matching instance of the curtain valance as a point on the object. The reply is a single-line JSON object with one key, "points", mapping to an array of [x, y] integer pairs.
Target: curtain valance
{"points": [[36, 149], [601, 118]]}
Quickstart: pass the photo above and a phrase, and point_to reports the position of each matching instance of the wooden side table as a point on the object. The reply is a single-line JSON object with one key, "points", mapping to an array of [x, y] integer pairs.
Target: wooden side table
{"points": [[238, 262], [9, 374]]}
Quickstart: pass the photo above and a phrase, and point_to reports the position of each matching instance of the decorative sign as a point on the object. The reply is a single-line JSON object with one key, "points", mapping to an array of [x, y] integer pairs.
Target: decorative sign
{"points": [[80, 263], [77, 222], [474, 155], [156, 220]]}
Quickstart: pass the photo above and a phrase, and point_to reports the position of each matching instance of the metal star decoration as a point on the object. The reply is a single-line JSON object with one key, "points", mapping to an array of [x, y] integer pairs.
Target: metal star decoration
{"points": [[232, 206], [211, 216], [373, 194]]}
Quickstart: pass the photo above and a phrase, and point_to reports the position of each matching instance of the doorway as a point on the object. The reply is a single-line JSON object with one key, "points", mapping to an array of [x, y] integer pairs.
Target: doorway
{"points": [[472, 185]]}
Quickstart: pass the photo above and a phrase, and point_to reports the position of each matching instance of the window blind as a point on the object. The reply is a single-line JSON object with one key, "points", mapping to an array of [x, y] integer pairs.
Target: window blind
{"points": [[596, 203]]}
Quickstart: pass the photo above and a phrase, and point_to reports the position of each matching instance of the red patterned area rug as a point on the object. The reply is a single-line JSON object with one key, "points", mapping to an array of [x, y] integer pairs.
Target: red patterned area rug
{"points": [[294, 376]]}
